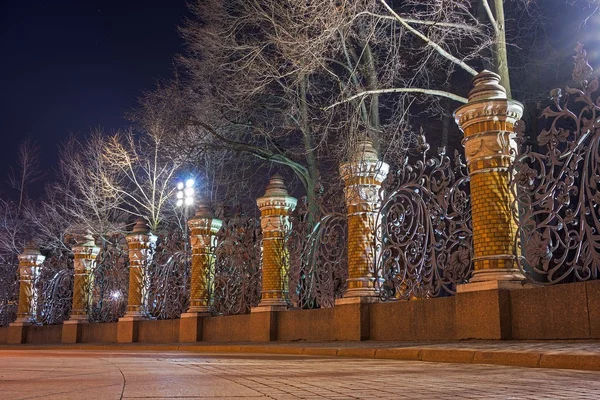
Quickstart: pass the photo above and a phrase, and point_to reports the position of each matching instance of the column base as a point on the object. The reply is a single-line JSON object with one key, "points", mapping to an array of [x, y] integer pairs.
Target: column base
{"points": [[17, 331], [191, 326], [128, 327], [494, 279], [357, 300], [361, 287], [269, 307], [72, 330], [198, 310]]}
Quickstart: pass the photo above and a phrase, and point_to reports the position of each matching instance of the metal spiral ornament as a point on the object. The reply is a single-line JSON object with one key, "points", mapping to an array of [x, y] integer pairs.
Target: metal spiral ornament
{"points": [[424, 233], [167, 277], [53, 288], [9, 290], [557, 189], [318, 257], [236, 272], [110, 280]]}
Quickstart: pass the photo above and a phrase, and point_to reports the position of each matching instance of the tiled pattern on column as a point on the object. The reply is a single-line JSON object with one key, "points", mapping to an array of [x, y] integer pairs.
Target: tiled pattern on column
{"points": [[275, 207], [488, 123], [84, 256], [140, 243], [363, 176], [203, 230], [29, 262]]}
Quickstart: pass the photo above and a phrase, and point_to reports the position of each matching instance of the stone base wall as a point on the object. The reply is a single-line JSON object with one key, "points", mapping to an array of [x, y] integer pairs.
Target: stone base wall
{"points": [[567, 311]]}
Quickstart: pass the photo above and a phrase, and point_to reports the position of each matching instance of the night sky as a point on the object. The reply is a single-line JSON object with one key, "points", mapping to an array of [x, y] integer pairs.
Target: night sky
{"points": [[66, 66]]}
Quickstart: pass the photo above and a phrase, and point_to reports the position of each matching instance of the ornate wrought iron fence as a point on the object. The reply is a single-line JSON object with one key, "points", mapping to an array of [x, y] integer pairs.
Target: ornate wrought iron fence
{"points": [[109, 281], [236, 274], [424, 231], [318, 255], [556, 189], [167, 277], [9, 291], [53, 289]]}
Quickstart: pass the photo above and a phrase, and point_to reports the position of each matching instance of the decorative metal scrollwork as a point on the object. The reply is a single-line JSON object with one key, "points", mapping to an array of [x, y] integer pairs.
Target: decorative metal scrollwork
{"points": [[9, 292], [236, 273], [318, 257], [424, 232], [53, 289], [557, 192], [167, 277], [110, 280]]}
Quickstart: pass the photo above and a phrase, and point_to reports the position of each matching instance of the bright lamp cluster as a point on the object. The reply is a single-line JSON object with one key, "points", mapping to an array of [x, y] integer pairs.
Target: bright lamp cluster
{"points": [[185, 193]]}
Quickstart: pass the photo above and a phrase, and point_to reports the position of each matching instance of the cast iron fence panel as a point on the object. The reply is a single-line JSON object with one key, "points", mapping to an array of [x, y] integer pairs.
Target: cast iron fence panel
{"points": [[167, 276], [556, 190], [317, 252], [53, 288], [235, 276], [9, 292], [424, 230], [109, 283]]}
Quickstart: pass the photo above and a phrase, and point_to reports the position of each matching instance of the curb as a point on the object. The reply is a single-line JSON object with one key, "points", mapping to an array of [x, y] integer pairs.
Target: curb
{"points": [[584, 361]]}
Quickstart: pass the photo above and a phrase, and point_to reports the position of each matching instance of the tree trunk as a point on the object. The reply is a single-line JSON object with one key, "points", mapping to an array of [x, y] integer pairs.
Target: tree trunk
{"points": [[500, 55], [311, 161]]}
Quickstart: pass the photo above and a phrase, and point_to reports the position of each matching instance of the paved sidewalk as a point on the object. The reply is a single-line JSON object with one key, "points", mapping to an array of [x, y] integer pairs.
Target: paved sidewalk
{"points": [[582, 355], [125, 374]]}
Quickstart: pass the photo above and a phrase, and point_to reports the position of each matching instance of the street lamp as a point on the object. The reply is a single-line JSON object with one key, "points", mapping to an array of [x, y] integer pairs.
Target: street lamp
{"points": [[185, 199]]}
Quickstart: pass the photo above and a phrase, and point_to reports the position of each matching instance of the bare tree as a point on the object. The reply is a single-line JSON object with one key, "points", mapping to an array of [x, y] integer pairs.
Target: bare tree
{"points": [[82, 195], [26, 172], [140, 176]]}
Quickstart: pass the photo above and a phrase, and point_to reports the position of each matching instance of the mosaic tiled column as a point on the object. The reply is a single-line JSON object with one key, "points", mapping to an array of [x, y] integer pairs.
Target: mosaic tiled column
{"points": [[487, 121], [29, 263], [363, 176], [140, 243], [203, 230], [203, 236], [275, 207], [84, 256]]}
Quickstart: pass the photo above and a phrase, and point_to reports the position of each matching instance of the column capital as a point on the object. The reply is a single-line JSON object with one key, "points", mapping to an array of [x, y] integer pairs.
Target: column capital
{"points": [[204, 221], [276, 196], [487, 102], [364, 167], [30, 257]]}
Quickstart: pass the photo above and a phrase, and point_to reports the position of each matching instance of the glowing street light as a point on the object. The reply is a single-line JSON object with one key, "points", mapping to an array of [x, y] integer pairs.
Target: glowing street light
{"points": [[185, 193]]}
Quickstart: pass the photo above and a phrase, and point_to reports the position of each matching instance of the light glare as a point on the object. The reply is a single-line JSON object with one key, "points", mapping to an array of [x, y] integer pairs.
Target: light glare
{"points": [[189, 201], [190, 183], [180, 186], [179, 202], [189, 192]]}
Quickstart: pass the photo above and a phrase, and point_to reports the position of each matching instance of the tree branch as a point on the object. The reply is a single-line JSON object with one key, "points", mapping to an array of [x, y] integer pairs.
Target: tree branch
{"points": [[428, 41], [423, 22], [433, 92]]}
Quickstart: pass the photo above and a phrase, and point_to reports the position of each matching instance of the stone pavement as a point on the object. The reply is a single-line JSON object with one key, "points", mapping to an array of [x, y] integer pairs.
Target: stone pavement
{"points": [[582, 355], [111, 374]]}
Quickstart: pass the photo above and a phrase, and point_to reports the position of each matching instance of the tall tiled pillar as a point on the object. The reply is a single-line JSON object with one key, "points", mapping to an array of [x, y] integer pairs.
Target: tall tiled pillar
{"points": [[275, 207], [363, 175], [141, 244], [203, 230], [29, 263], [487, 121], [84, 256]]}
